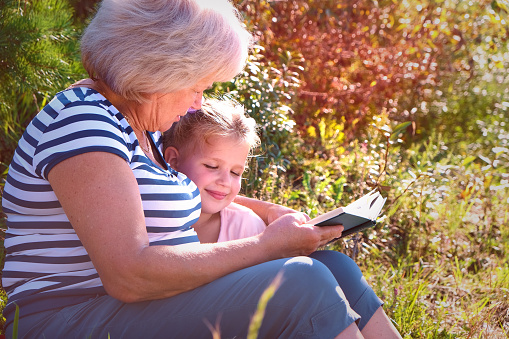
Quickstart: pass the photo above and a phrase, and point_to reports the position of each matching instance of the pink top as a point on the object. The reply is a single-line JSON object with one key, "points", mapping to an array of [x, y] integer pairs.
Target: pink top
{"points": [[239, 222]]}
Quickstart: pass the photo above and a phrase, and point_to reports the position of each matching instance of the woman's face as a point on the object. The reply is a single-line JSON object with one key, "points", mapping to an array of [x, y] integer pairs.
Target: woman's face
{"points": [[169, 107], [216, 167]]}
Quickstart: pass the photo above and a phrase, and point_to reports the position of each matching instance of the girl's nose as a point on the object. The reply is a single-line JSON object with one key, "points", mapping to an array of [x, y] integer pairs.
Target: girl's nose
{"points": [[224, 178]]}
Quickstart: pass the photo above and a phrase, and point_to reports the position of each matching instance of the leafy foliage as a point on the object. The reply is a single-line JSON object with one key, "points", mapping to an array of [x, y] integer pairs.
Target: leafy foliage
{"points": [[38, 56], [362, 57], [441, 243]]}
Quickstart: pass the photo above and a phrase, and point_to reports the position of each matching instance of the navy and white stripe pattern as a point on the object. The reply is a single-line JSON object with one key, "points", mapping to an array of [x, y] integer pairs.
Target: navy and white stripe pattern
{"points": [[44, 254]]}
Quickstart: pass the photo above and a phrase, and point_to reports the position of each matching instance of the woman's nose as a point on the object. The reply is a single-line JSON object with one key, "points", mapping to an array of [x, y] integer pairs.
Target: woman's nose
{"points": [[197, 102]]}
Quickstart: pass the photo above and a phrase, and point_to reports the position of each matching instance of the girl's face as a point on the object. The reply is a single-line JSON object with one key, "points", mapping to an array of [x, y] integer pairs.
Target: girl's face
{"points": [[216, 168]]}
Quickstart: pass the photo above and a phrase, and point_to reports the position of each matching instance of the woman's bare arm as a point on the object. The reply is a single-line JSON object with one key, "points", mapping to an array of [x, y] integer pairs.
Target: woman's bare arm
{"points": [[100, 196]]}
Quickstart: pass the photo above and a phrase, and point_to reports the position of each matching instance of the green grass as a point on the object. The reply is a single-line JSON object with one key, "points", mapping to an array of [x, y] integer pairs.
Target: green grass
{"points": [[438, 256]]}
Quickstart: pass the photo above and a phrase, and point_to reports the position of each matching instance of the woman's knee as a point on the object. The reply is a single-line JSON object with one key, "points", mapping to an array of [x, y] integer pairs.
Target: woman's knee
{"points": [[306, 281], [310, 297], [346, 272], [337, 261], [305, 272]]}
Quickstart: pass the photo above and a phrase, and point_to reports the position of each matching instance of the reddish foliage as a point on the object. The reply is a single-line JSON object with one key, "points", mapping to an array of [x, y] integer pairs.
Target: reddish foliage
{"points": [[355, 63], [363, 56]]}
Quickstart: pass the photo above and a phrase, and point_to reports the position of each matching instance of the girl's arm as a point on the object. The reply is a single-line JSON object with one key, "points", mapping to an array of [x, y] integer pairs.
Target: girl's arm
{"points": [[101, 198], [265, 210]]}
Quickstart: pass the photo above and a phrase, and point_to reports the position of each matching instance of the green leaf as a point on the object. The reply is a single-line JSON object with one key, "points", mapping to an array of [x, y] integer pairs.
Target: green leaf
{"points": [[399, 128], [468, 160]]}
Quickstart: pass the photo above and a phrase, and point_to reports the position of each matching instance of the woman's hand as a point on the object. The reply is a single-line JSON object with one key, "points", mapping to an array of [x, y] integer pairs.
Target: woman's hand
{"points": [[291, 236]]}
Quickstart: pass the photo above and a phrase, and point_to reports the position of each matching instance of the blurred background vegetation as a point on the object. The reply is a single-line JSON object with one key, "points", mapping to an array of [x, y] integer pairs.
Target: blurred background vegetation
{"points": [[410, 97]]}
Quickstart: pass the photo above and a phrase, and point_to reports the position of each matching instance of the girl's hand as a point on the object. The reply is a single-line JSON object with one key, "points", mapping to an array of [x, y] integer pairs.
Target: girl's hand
{"points": [[276, 211], [268, 211]]}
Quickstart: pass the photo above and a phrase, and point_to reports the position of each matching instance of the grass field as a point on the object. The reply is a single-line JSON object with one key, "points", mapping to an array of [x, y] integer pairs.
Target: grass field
{"points": [[439, 255]]}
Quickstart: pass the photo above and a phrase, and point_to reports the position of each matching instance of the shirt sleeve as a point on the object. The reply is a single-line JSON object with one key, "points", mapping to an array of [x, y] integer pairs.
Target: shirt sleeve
{"points": [[239, 222], [78, 128]]}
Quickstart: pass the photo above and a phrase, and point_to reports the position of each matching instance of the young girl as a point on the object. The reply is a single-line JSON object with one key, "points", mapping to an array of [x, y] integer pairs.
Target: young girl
{"points": [[211, 146]]}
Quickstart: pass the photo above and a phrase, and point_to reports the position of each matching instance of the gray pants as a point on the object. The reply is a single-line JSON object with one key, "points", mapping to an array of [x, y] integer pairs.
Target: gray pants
{"points": [[318, 298]]}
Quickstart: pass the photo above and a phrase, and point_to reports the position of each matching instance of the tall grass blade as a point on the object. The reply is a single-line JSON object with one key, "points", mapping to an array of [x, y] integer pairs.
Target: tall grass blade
{"points": [[257, 319], [16, 324]]}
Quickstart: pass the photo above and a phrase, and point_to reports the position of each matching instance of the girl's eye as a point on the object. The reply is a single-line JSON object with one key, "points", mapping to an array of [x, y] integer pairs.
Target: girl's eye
{"points": [[235, 174], [210, 167]]}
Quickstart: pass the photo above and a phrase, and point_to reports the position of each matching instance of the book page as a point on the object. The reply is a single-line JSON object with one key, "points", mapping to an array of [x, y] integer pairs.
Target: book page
{"points": [[367, 206], [326, 216]]}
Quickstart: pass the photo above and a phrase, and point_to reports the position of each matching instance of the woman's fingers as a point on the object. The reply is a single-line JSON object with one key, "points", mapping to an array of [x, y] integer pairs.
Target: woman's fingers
{"points": [[292, 236], [330, 233]]}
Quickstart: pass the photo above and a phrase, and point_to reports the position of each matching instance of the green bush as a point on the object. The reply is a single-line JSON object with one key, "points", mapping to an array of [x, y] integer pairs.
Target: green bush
{"points": [[39, 56]]}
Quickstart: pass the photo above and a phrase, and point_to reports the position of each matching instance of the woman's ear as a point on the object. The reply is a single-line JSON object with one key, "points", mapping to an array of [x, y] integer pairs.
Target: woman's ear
{"points": [[171, 155]]}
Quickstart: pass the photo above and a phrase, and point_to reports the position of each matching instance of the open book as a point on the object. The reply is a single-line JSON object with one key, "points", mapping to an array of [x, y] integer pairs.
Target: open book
{"points": [[355, 217]]}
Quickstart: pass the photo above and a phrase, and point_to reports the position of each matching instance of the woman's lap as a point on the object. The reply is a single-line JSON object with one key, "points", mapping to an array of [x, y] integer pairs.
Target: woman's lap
{"points": [[307, 304]]}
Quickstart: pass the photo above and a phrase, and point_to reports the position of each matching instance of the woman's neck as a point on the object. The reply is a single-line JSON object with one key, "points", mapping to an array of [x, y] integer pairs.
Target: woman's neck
{"points": [[207, 227]]}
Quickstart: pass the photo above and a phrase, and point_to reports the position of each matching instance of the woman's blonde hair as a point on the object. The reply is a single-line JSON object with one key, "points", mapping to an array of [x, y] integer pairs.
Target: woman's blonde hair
{"points": [[150, 46], [217, 117]]}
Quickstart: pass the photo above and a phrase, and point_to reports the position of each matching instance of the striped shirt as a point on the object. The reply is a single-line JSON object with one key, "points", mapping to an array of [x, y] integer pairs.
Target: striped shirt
{"points": [[46, 265]]}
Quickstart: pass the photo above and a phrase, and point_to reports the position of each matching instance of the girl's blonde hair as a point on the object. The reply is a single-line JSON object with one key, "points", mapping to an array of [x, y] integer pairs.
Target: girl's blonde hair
{"points": [[158, 46], [217, 117]]}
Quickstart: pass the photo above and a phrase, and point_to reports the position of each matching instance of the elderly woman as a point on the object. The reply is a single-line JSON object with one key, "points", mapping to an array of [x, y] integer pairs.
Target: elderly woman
{"points": [[99, 238]]}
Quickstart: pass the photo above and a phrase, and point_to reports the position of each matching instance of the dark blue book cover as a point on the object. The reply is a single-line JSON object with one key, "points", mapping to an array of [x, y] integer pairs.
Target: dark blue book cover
{"points": [[355, 217]]}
